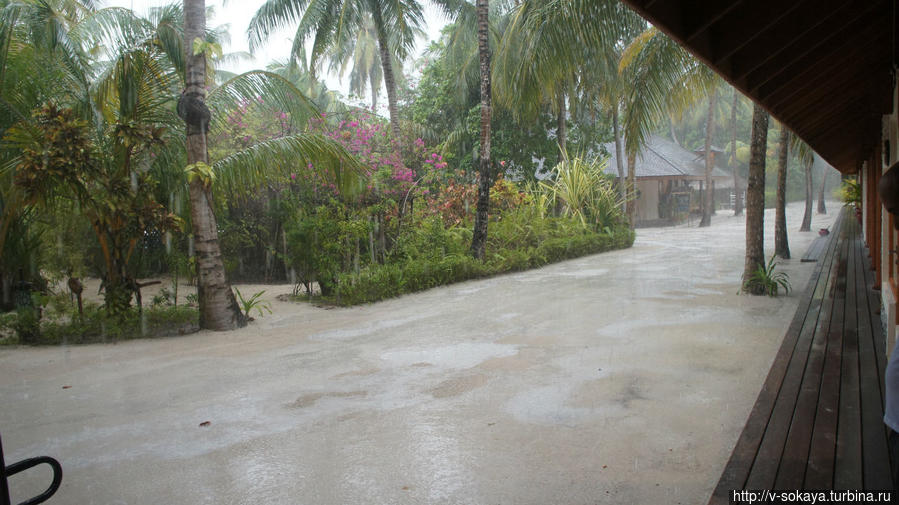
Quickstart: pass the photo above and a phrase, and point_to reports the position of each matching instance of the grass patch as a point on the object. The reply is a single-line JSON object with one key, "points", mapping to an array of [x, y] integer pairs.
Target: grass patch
{"points": [[96, 325]]}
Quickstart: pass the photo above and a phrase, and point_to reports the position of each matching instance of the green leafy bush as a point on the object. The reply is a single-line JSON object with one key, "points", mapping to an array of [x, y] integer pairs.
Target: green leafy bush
{"points": [[98, 326], [511, 247], [766, 280]]}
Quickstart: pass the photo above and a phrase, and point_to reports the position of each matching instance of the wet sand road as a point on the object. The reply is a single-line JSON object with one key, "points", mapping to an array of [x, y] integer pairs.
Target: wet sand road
{"points": [[619, 378]]}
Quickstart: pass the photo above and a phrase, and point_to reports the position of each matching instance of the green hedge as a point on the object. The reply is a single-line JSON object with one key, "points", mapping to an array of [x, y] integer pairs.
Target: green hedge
{"points": [[97, 326], [379, 282]]}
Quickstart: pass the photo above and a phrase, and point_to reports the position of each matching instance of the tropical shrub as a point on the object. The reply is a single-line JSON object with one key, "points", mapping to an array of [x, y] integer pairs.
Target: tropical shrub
{"points": [[511, 248], [767, 280], [97, 325], [850, 193]]}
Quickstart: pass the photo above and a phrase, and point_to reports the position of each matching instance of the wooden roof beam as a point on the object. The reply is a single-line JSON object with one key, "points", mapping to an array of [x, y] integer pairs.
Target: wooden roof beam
{"points": [[786, 22], [770, 61], [848, 54], [789, 97], [832, 97]]}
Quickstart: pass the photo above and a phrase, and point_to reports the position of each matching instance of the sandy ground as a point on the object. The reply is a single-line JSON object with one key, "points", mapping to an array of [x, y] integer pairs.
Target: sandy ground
{"points": [[619, 378]]}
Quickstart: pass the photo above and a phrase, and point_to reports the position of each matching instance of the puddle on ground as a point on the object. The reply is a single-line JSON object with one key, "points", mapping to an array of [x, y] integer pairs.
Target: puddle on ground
{"points": [[357, 373], [458, 385], [465, 355], [586, 273], [366, 329], [549, 405], [308, 400]]}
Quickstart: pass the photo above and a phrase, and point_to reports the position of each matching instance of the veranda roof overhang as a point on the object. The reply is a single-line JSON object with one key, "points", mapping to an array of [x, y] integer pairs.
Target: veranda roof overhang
{"points": [[822, 67]]}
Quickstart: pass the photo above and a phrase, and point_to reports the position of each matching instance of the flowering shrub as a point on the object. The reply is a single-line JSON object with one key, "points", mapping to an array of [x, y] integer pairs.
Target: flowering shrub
{"points": [[455, 203], [252, 122], [393, 169]]}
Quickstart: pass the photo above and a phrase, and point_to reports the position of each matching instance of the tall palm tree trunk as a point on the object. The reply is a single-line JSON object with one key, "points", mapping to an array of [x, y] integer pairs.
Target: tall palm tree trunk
{"points": [[375, 87], [479, 237], [619, 159], [562, 126], [673, 132], [738, 195], [387, 67], [755, 200], [709, 162], [822, 209], [632, 189], [809, 195], [218, 307], [781, 244]]}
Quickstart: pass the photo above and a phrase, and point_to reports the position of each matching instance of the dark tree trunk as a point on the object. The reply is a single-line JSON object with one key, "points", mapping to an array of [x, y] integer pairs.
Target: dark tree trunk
{"points": [[479, 237], [562, 126], [809, 195], [738, 194], [709, 162], [632, 189], [619, 159], [387, 67], [755, 201], [781, 243], [822, 209], [218, 307]]}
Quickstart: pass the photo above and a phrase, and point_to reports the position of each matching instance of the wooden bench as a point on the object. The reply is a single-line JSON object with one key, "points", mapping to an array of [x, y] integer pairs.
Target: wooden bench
{"points": [[818, 420]]}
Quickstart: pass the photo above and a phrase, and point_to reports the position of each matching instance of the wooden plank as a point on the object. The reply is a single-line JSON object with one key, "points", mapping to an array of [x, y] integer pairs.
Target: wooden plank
{"points": [[737, 470], [815, 249], [819, 474], [848, 463], [791, 473], [876, 459]]}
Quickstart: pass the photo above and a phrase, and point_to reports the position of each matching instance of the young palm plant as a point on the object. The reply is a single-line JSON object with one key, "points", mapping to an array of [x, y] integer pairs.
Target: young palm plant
{"points": [[767, 280]]}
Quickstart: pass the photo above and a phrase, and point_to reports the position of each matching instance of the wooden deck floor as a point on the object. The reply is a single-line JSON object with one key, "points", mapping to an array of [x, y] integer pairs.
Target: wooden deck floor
{"points": [[818, 420]]}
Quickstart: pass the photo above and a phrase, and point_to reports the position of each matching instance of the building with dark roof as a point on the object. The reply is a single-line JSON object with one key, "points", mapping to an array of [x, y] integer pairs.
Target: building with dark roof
{"points": [[670, 180]]}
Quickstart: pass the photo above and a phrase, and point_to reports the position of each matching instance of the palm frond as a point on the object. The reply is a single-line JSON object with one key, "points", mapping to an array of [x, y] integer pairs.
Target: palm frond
{"points": [[294, 154]]}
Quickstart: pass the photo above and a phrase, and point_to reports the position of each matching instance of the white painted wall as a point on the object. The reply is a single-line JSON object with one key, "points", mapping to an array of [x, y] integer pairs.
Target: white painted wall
{"points": [[648, 203]]}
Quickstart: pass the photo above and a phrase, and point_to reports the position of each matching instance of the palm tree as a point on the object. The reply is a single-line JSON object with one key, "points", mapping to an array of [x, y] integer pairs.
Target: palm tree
{"points": [[665, 78], [218, 306], [479, 236], [755, 201], [807, 159], [334, 23], [128, 95], [781, 244], [364, 56], [707, 196], [822, 208], [738, 195]]}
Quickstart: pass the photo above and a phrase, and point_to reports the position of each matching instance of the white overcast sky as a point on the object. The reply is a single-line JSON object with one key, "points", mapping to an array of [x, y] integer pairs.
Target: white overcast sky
{"points": [[237, 14]]}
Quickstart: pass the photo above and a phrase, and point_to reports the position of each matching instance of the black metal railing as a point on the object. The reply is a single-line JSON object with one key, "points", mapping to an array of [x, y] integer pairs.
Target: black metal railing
{"points": [[21, 466]]}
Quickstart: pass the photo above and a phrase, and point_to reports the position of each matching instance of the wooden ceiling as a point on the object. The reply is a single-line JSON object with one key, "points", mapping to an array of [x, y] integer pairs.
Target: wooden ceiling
{"points": [[822, 67]]}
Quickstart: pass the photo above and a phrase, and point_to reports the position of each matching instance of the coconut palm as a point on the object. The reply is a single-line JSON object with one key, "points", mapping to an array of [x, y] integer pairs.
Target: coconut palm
{"points": [[738, 194], [536, 65], [666, 77], [218, 306], [362, 58], [123, 98], [807, 160], [335, 23], [479, 236], [755, 201], [781, 244]]}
